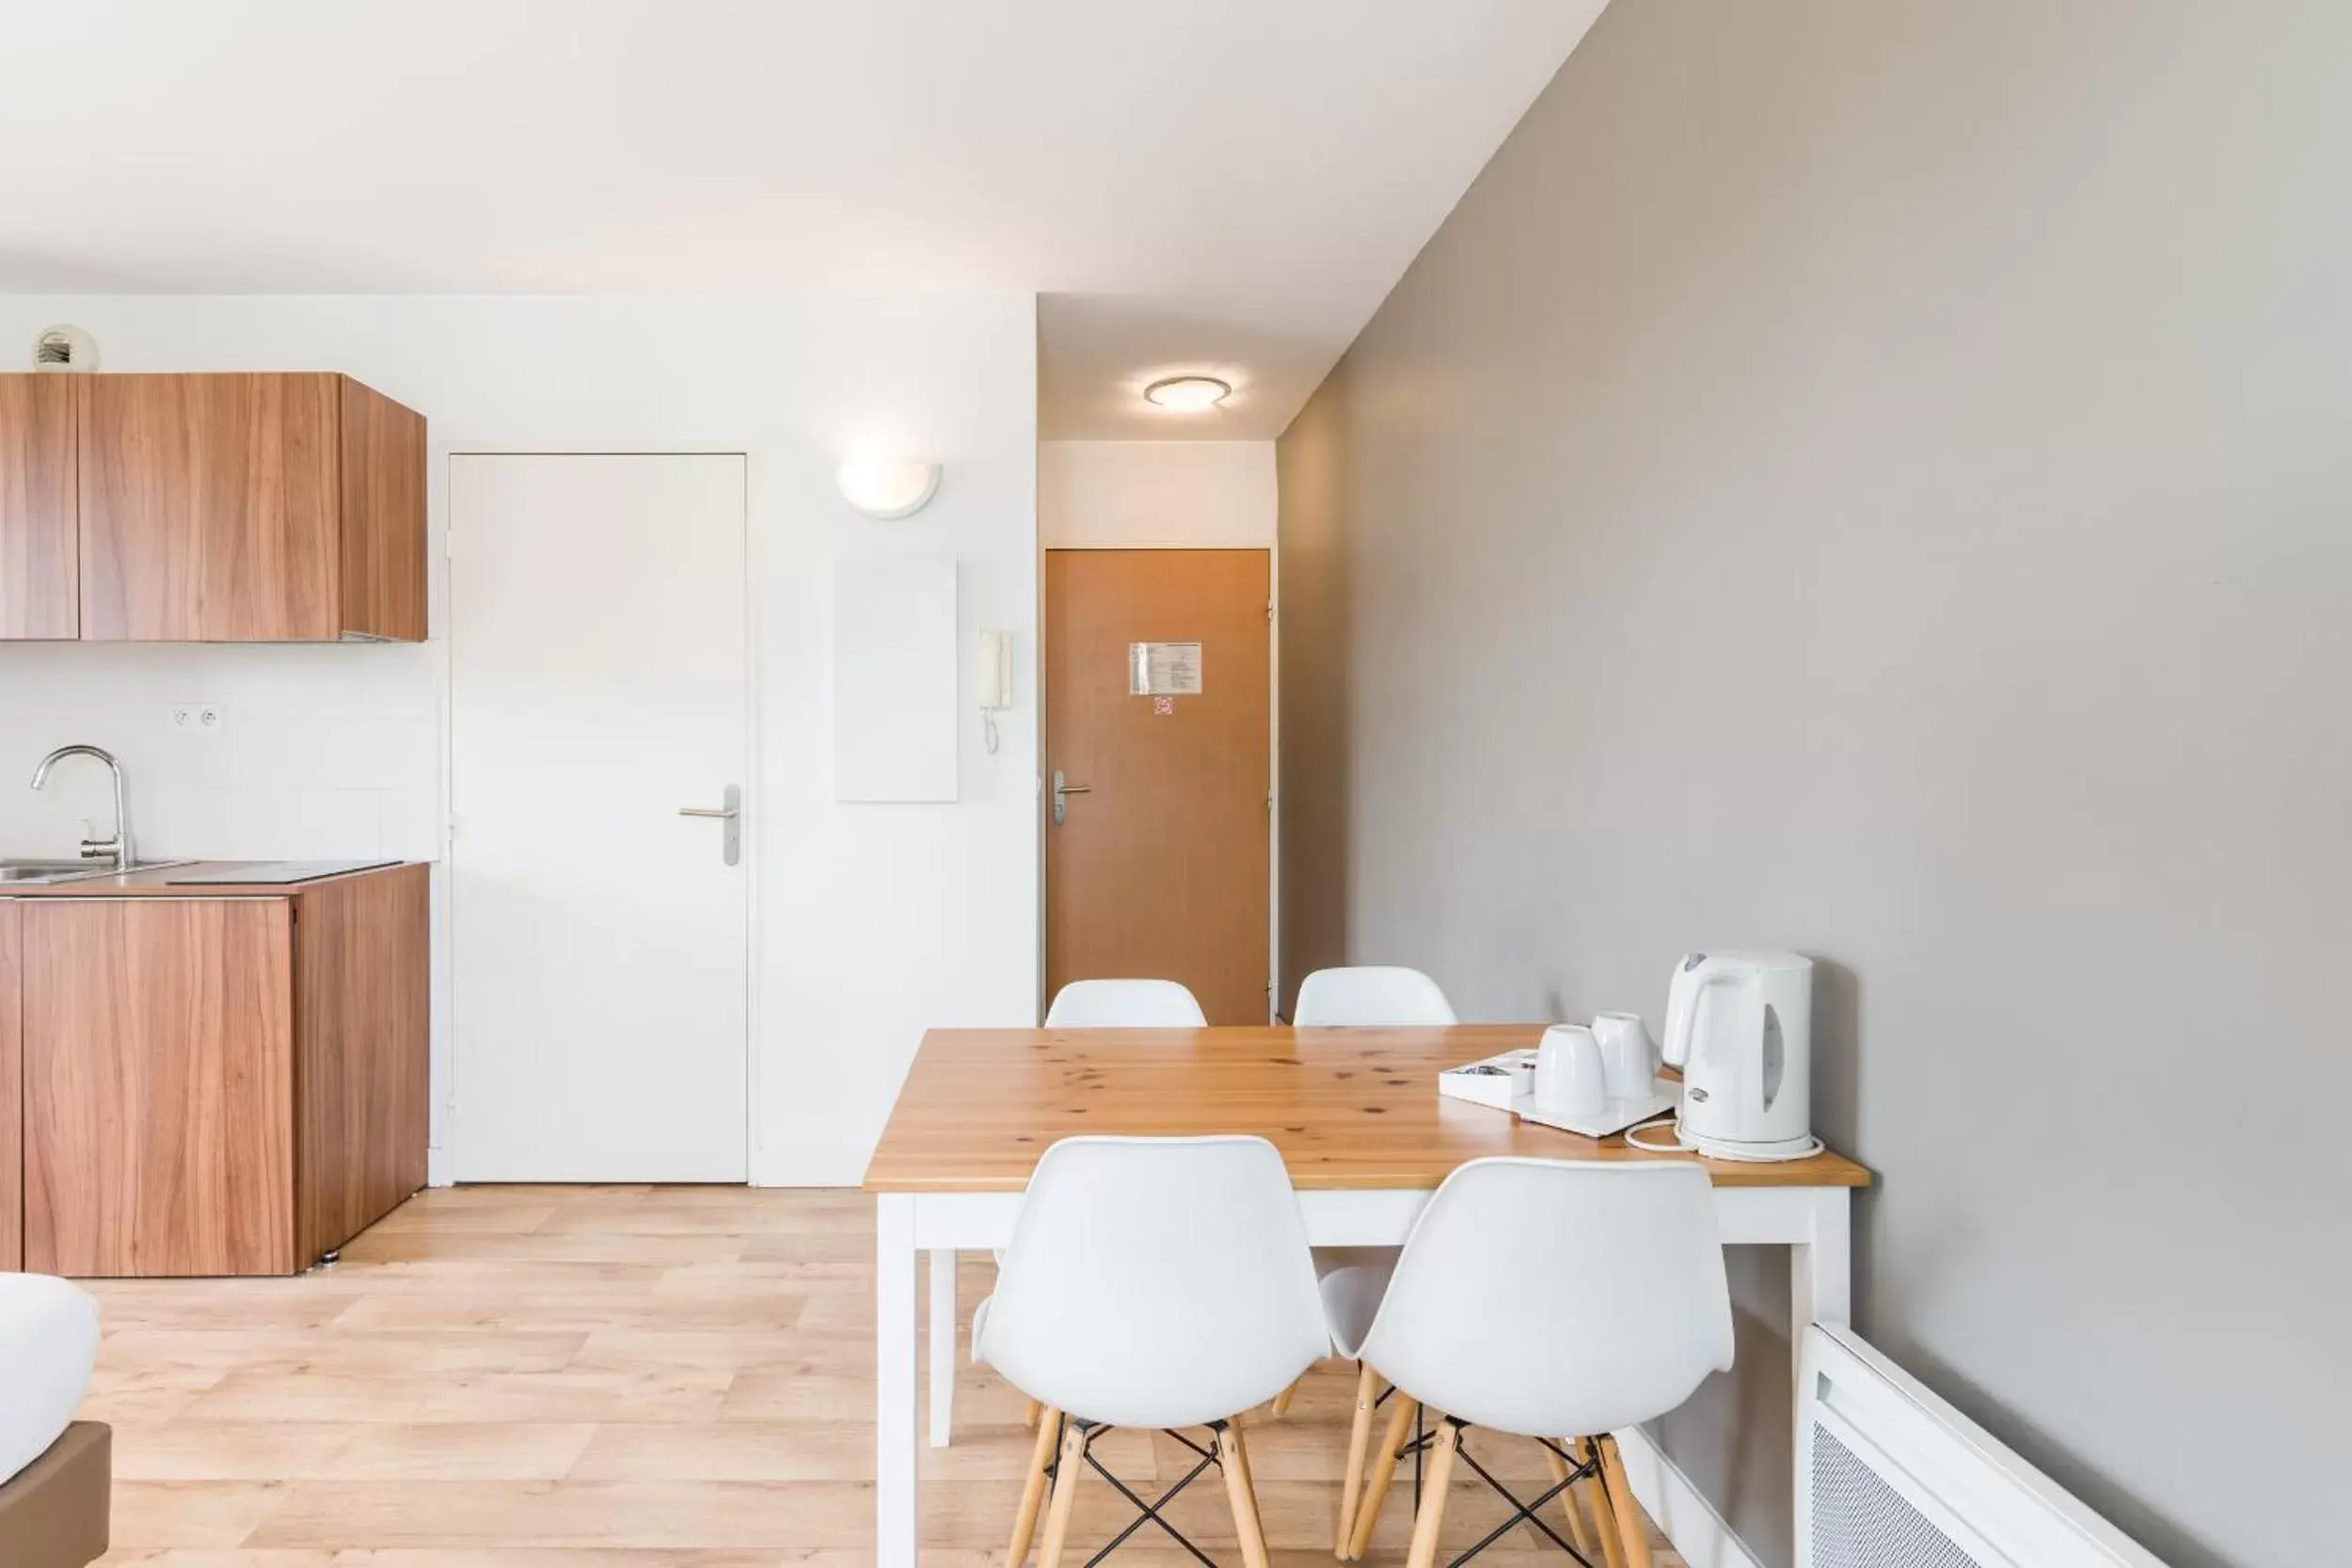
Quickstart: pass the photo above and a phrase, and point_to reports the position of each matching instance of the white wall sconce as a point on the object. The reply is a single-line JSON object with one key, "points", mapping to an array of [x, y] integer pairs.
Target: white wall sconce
{"points": [[887, 486]]}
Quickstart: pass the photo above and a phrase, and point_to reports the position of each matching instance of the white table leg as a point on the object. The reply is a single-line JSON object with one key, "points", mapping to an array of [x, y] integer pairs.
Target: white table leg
{"points": [[943, 1344], [895, 1503], [1820, 1290], [1821, 1270]]}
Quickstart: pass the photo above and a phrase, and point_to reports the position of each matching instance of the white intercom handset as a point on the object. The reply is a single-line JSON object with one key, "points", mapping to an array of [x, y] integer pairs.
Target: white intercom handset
{"points": [[995, 681]]}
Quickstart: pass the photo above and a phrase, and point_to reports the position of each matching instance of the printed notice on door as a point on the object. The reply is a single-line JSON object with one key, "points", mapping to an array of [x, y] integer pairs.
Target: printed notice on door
{"points": [[1164, 669]]}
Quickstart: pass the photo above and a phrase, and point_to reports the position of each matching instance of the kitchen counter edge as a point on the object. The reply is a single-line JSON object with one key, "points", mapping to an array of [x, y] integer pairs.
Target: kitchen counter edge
{"points": [[157, 881]]}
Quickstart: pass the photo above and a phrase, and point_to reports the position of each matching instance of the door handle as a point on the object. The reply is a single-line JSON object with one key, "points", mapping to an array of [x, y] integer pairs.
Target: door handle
{"points": [[1062, 791], [730, 842]]}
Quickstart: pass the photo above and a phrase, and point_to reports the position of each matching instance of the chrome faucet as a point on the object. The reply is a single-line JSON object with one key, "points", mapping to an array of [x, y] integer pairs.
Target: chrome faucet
{"points": [[119, 845]]}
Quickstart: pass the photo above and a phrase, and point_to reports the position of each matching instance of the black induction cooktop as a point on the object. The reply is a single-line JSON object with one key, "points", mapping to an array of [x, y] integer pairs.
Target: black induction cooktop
{"points": [[272, 873]]}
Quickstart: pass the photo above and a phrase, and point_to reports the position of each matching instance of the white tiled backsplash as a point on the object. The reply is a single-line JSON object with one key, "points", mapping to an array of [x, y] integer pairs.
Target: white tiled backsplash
{"points": [[325, 751]]}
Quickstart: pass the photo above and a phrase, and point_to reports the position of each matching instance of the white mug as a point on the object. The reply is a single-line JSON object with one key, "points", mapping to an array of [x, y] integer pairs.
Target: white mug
{"points": [[1629, 1058], [1570, 1080]]}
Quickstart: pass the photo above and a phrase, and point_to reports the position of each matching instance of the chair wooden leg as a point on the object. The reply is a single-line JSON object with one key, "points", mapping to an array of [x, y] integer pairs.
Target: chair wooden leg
{"points": [[1604, 1516], [1073, 1447], [1358, 1442], [1383, 1471], [1249, 1474], [1028, 1417], [1282, 1400], [1630, 1525], [1434, 1487], [1233, 1459], [1033, 1487], [1578, 1537]]}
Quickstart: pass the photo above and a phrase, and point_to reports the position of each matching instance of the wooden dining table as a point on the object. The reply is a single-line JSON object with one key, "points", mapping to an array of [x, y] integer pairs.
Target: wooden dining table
{"points": [[1355, 1112]]}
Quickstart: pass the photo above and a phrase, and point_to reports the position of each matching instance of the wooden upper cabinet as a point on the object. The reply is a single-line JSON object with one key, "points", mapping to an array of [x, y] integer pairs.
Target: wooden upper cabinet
{"points": [[248, 508], [209, 508], [383, 517], [40, 592]]}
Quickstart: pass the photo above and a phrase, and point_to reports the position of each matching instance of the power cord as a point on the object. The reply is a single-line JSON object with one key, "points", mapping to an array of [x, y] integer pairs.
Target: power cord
{"points": [[1674, 1147], [1814, 1146]]}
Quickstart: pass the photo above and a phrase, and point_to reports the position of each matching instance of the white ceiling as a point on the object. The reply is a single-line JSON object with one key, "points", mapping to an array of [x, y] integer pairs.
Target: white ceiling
{"points": [[1228, 185]]}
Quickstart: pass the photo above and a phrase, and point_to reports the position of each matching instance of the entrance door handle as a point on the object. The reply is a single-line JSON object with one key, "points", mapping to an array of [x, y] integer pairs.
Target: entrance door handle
{"points": [[1062, 791], [730, 842]]}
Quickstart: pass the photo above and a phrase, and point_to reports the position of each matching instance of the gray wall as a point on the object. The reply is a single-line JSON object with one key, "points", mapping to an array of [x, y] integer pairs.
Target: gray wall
{"points": [[1875, 477]]}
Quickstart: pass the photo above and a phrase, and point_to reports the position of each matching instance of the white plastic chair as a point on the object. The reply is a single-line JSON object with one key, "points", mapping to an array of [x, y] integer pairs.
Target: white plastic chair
{"points": [[1370, 994], [1548, 1299], [1079, 1005], [1124, 1004], [1366, 995], [1151, 1282]]}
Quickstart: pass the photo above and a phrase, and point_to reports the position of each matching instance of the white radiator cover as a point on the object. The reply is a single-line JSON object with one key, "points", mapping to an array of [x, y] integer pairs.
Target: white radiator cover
{"points": [[1889, 1476]]}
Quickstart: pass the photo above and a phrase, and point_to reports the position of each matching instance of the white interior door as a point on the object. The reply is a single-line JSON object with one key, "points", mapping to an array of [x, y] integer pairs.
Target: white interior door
{"points": [[598, 937]]}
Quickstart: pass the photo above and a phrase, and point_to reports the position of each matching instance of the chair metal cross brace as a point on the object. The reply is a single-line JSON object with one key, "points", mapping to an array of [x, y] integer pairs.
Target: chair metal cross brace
{"points": [[1527, 1511], [1145, 1513]]}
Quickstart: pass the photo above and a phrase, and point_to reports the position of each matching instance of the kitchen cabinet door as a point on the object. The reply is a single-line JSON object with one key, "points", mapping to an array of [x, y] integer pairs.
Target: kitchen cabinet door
{"points": [[40, 576], [11, 1099], [383, 517], [210, 507], [364, 996], [158, 1046]]}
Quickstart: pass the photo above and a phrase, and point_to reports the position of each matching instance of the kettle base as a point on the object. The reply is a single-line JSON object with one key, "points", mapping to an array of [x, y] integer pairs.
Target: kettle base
{"points": [[1730, 1149]]}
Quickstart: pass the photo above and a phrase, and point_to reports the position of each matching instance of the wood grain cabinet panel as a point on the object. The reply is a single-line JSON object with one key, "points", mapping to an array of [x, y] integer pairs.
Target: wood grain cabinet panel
{"points": [[158, 1042], [362, 998], [39, 555], [142, 510], [268, 507], [383, 517], [268, 455], [11, 1101], [216, 1084], [209, 507]]}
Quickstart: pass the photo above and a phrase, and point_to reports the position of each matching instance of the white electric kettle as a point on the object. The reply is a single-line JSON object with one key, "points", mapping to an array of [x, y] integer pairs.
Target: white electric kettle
{"points": [[1740, 1026]]}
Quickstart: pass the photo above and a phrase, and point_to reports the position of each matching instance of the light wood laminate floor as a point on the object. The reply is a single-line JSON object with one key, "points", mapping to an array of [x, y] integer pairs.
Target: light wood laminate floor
{"points": [[569, 1377]]}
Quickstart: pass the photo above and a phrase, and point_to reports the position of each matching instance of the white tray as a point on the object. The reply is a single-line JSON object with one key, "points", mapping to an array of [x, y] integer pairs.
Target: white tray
{"points": [[1614, 1116]]}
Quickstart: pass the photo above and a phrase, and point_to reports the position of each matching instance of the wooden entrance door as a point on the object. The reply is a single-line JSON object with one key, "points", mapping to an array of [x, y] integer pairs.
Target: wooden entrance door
{"points": [[1159, 867]]}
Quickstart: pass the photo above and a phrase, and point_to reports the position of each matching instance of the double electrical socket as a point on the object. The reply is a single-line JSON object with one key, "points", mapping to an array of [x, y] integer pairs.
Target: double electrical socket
{"points": [[197, 718]]}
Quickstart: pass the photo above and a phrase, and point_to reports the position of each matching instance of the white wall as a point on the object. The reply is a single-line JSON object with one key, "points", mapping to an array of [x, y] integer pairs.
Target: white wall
{"points": [[323, 754], [871, 923], [1915, 531], [1196, 493]]}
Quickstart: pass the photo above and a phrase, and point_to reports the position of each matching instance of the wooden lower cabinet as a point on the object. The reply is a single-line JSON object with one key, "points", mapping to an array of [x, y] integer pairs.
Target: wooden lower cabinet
{"points": [[159, 1078], [362, 1023], [220, 1086], [11, 1101]]}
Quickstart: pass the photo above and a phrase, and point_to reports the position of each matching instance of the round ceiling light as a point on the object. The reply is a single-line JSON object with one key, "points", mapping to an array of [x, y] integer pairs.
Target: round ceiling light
{"points": [[1187, 394]]}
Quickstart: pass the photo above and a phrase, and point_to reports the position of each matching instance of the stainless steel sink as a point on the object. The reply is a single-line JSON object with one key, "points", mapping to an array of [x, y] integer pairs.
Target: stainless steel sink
{"points": [[43, 873], [48, 871]]}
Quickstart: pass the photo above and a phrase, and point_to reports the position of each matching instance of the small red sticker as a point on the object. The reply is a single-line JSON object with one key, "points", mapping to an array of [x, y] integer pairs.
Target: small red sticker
{"points": [[1164, 706]]}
